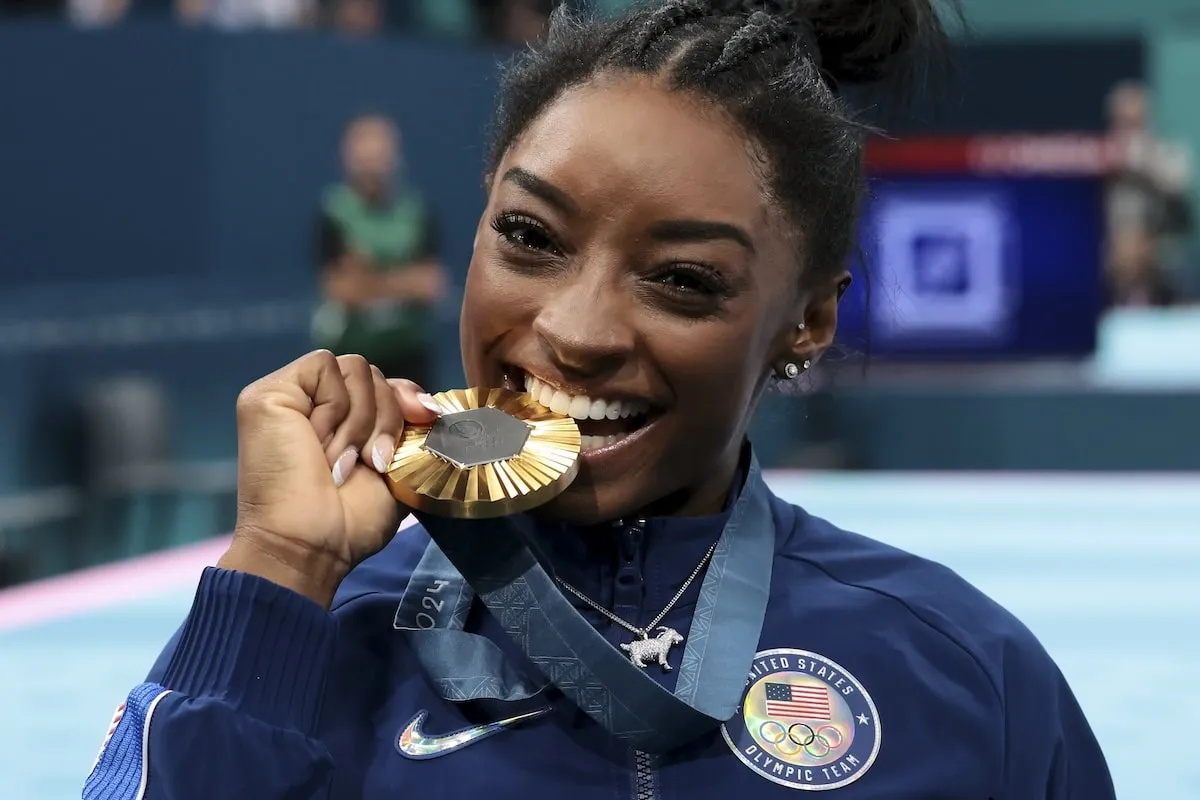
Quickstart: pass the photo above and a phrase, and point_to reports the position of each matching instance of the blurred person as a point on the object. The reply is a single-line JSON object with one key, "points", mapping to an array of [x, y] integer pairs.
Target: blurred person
{"points": [[672, 198], [358, 17], [1153, 176], [458, 19], [377, 250], [1149, 187], [247, 14], [97, 13], [517, 22], [1135, 274]]}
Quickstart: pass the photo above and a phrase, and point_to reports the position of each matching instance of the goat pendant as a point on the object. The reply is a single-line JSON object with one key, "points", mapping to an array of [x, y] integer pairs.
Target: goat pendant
{"points": [[647, 650]]}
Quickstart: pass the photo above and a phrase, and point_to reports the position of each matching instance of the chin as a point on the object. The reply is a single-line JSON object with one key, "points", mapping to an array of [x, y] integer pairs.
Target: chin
{"points": [[611, 484], [583, 504]]}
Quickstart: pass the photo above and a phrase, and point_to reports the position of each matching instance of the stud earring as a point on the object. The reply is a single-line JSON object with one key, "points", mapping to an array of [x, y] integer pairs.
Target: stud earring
{"points": [[801, 326], [807, 363], [790, 370]]}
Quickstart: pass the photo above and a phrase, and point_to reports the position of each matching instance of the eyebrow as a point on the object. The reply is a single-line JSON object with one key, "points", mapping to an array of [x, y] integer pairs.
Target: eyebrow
{"points": [[538, 187], [695, 230], [675, 230]]}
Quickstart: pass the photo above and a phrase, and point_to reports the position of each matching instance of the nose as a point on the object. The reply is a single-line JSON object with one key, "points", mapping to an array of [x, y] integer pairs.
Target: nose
{"points": [[584, 324]]}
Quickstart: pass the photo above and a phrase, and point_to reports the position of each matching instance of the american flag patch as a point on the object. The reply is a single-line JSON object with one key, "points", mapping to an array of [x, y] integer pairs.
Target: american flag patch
{"points": [[798, 702], [112, 728]]}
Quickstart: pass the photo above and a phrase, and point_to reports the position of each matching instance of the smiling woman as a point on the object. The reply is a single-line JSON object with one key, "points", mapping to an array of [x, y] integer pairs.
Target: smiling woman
{"points": [[672, 195], [650, 282]]}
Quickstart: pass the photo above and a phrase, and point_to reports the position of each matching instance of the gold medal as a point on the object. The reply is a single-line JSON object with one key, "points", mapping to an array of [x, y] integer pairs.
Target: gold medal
{"points": [[492, 453]]}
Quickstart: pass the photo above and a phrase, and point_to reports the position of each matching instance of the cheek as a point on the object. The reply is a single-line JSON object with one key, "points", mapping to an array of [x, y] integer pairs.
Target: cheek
{"points": [[715, 388], [494, 302], [491, 289], [715, 376]]}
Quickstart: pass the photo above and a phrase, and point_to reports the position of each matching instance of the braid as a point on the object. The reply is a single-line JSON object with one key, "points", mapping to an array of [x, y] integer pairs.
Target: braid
{"points": [[662, 21], [762, 32]]}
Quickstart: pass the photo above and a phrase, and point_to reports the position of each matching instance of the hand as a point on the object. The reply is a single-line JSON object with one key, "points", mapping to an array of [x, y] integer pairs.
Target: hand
{"points": [[422, 281], [351, 283], [314, 440]]}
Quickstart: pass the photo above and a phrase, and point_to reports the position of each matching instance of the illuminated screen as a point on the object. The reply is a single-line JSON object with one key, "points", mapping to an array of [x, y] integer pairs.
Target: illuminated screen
{"points": [[974, 259]]}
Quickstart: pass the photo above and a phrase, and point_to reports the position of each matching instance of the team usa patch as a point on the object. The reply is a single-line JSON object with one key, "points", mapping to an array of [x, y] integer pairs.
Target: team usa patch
{"points": [[804, 722]]}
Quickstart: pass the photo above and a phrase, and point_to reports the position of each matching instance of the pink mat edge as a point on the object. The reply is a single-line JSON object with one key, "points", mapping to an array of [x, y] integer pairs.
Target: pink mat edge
{"points": [[111, 585]]}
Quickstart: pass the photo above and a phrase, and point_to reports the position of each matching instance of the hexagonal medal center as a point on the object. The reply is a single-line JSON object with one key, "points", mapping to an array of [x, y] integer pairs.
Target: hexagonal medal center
{"points": [[476, 437]]}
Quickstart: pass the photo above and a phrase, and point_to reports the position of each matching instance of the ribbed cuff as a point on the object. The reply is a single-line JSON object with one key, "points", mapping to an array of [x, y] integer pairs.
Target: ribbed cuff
{"points": [[263, 649]]}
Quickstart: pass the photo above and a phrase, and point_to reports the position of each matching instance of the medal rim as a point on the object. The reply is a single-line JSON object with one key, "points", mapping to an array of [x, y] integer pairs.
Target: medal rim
{"points": [[460, 400]]}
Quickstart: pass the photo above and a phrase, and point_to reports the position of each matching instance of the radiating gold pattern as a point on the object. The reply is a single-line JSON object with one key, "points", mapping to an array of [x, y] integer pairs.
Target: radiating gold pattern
{"points": [[545, 466]]}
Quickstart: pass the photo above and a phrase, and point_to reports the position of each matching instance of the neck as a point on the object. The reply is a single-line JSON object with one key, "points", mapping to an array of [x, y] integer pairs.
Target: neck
{"points": [[373, 197], [702, 499]]}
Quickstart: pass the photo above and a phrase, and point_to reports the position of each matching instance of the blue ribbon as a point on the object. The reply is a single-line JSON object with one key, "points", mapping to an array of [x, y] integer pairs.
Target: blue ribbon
{"points": [[494, 561]]}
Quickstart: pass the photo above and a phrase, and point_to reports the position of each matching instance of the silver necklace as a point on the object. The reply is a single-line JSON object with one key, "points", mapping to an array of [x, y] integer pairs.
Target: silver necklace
{"points": [[646, 650]]}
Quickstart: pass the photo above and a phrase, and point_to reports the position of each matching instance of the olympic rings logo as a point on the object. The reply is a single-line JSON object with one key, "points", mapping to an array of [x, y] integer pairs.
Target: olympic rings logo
{"points": [[798, 736]]}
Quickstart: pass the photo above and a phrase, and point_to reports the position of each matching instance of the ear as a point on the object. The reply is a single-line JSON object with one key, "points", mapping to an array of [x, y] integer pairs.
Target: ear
{"points": [[813, 330]]}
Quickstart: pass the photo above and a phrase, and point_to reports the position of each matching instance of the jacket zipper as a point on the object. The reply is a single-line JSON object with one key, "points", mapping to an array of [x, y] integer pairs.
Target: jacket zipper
{"points": [[645, 779], [631, 541]]}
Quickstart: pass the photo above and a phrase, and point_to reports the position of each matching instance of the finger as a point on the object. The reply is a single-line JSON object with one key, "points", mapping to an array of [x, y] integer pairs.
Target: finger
{"points": [[389, 423], [320, 379], [369, 504], [416, 404], [352, 435]]}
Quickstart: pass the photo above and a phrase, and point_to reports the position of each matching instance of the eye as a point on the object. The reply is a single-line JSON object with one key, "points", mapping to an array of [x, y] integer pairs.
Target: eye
{"points": [[524, 232], [692, 279]]}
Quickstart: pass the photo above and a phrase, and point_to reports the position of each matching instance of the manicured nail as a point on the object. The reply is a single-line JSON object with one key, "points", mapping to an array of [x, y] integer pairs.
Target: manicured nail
{"points": [[343, 466], [428, 401], [382, 452]]}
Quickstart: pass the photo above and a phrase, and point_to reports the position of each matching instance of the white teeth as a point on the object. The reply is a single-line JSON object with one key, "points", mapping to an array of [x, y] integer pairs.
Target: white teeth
{"points": [[560, 403], [581, 406], [597, 409], [545, 394]]}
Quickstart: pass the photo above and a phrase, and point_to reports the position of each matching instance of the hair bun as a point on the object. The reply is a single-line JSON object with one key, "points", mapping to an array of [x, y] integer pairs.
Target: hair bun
{"points": [[860, 41]]}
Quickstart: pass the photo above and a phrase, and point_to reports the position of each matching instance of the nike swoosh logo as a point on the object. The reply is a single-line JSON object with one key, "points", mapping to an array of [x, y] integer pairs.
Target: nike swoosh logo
{"points": [[416, 744]]}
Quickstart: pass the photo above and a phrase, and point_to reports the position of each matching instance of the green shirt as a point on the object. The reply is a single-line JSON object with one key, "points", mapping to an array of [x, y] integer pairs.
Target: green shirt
{"points": [[391, 237]]}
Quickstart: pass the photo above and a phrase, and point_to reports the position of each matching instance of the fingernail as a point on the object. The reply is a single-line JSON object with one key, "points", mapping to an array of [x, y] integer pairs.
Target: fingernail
{"points": [[382, 452], [343, 466], [428, 401]]}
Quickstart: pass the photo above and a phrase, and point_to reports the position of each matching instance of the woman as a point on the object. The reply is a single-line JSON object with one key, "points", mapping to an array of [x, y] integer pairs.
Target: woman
{"points": [[672, 197]]}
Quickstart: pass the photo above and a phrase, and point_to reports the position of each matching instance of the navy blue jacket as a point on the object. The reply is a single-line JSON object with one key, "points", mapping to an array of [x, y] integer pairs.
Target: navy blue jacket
{"points": [[910, 684]]}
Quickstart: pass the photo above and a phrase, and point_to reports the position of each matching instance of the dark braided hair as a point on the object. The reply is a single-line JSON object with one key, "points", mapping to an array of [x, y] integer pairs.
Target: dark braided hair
{"points": [[775, 66]]}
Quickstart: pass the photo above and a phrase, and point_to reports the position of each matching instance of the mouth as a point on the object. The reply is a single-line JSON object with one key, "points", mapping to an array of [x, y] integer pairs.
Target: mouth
{"points": [[604, 422]]}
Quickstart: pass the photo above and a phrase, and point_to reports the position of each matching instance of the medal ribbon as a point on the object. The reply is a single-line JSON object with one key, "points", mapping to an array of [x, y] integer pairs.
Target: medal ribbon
{"points": [[492, 560]]}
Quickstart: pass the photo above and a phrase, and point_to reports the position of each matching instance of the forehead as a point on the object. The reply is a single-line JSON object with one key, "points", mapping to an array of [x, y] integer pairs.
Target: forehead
{"points": [[627, 143], [369, 136]]}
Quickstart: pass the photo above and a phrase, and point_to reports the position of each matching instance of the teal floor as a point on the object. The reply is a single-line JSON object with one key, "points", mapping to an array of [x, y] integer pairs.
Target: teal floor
{"points": [[1105, 571]]}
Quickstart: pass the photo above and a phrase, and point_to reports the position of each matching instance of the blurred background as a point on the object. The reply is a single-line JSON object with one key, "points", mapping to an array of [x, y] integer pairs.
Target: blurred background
{"points": [[182, 183]]}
